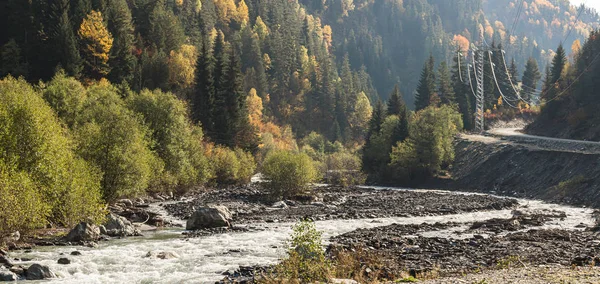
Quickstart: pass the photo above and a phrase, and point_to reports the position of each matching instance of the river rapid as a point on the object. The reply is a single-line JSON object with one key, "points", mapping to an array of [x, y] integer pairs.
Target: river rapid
{"points": [[203, 259]]}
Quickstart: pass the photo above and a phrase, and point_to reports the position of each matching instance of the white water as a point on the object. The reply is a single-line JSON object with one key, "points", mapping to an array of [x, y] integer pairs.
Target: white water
{"points": [[202, 260]]}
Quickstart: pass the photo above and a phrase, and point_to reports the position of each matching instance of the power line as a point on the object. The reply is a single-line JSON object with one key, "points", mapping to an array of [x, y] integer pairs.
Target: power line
{"points": [[577, 19], [514, 26]]}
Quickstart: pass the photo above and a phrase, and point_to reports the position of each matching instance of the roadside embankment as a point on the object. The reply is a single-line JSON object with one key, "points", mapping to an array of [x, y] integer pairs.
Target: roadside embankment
{"points": [[529, 168]]}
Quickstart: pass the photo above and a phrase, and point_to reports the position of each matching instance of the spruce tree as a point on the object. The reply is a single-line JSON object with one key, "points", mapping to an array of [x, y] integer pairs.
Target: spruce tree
{"points": [[558, 64], [445, 90], [122, 60], [240, 130], [531, 77], [462, 92], [426, 87], [203, 98], [65, 43], [395, 104]]}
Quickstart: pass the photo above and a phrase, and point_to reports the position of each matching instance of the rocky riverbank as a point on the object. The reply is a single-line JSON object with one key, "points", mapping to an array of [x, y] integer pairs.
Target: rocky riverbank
{"points": [[251, 204]]}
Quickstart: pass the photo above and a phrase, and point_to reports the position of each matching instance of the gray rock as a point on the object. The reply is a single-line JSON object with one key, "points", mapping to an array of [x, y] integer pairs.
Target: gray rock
{"points": [[103, 230], [76, 253], [209, 217], [126, 202], [8, 276], [38, 272], [162, 255], [84, 232], [117, 226], [4, 261], [280, 205], [64, 260], [19, 270]]}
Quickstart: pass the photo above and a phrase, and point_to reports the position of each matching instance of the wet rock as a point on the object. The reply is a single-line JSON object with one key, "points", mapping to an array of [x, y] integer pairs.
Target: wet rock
{"points": [[8, 276], [64, 260], [76, 253], [3, 252], [19, 270], [38, 272], [209, 217], [117, 226], [162, 255], [84, 232], [4, 261]]}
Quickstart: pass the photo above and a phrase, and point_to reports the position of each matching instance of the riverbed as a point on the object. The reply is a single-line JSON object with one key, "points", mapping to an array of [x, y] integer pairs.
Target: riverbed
{"points": [[204, 259]]}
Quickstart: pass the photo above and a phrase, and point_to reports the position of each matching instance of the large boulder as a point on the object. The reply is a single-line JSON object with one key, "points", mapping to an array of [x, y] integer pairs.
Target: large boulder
{"points": [[117, 226], [209, 217], [84, 232], [39, 272]]}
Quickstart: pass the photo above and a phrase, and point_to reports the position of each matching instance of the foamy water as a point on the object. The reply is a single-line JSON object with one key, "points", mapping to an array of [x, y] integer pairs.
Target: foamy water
{"points": [[202, 260]]}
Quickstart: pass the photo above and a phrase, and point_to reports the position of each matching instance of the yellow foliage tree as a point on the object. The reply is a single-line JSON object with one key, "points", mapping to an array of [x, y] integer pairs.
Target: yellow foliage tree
{"points": [[96, 41], [226, 10], [182, 67], [255, 108], [242, 15], [261, 28]]}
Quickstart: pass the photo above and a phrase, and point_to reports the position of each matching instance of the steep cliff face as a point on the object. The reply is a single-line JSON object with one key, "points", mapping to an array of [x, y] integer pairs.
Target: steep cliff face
{"points": [[563, 176]]}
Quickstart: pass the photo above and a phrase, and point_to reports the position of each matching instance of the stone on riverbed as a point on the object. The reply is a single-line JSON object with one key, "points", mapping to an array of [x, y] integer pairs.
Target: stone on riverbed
{"points": [[162, 255], [64, 260], [117, 226], [84, 232], [4, 261], [209, 217], [39, 272]]}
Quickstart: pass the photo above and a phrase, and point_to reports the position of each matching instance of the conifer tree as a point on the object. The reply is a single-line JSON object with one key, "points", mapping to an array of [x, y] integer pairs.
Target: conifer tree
{"points": [[426, 87], [203, 98], [558, 64], [65, 43], [531, 77], [464, 96], [122, 60], [395, 104], [445, 90]]}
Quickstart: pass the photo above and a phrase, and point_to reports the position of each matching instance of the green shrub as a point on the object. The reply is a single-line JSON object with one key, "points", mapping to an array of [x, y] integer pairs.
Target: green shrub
{"points": [[175, 139], [289, 173], [306, 261], [112, 138], [231, 166], [34, 143], [21, 205], [247, 166], [344, 169]]}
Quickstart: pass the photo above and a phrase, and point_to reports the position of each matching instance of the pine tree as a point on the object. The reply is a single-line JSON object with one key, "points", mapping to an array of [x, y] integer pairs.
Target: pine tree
{"points": [[203, 98], [369, 163], [464, 96], [426, 87], [445, 90], [122, 60], [65, 43], [11, 60], [531, 77], [243, 134], [558, 64], [396, 105]]}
